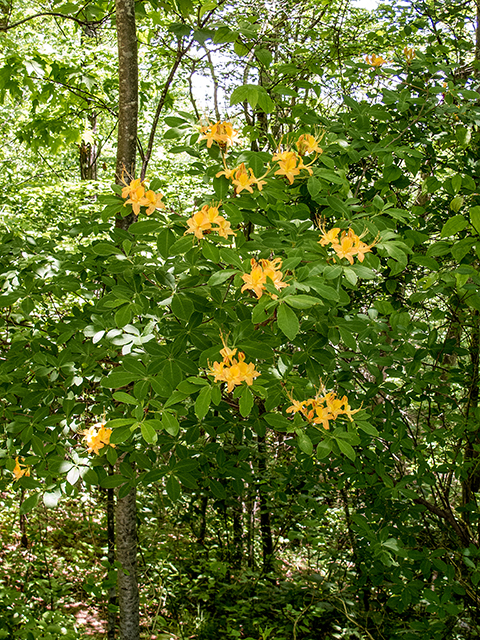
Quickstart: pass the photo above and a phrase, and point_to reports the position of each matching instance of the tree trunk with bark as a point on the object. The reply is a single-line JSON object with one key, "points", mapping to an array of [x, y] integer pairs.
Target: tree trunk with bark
{"points": [[126, 514]]}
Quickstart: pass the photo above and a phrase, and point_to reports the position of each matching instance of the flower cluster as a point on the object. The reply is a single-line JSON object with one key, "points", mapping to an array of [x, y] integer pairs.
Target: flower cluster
{"points": [[138, 197], [323, 409], [290, 164], [18, 472], [257, 278], [201, 222], [349, 244], [243, 179], [96, 437], [232, 370], [375, 61], [222, 133]]}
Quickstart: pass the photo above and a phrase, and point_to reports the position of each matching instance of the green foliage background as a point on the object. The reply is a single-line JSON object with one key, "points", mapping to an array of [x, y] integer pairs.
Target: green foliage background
{"points": [[252, 523]]}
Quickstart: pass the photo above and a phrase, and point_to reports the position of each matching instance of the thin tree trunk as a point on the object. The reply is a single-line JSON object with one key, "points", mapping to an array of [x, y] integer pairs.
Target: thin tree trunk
{"points": [[127, 98], [265, 523], [128, 597], [126, 515], [112, 594]]}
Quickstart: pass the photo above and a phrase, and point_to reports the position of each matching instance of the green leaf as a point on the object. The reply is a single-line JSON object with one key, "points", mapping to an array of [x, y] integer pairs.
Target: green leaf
{"points": [[221, 276], [165, 240], [120, 435], [300, 301], [217, 489], [314, 186], [145, 226], [118, 379], [202, 403], [30, 503], [182, 307], [210, 251], [174, 490], [149, 433], [475, 218], [287, 321], [324, 448], [111, 482], [304, 442], [367, 427], [121, 396], [170, 423], [105, 249], [346, 448], [246, 402], [453, 226]]}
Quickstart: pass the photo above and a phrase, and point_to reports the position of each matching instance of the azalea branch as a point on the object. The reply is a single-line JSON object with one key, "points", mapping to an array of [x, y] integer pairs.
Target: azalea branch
{"points": [[55, 14], [178, 58]]}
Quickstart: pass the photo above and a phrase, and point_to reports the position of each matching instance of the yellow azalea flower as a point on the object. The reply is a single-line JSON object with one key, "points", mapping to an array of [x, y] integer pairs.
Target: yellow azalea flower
{"points": [[254, 281], [345, 248], [136, 199], [18, 472], [216, 369], [362, 248], [347, 410], [242, 180], [329, 237], [224, 228], [227, 353], [334, 404], [374, 60], [96, 437], [211, 212], [287, 161], [247, 371], [232, 370], [323, 417], [228, 173], [222, 133], [306, 144], [197, 224], [296, 406], [152, 201], [409, 53], [131, 188]]}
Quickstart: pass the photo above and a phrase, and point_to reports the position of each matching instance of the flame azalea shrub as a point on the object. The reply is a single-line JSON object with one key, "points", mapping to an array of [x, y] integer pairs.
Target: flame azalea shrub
{"points": [[130, 325]]}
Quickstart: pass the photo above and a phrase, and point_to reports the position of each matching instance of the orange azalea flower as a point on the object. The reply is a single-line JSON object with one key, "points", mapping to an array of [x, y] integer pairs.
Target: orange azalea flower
{"points": [[96, 437], [257, 278], [374, 60], [152, 201], [306, 144], [18, 472], [224, 228], [197, 224], [254, 280], [131, 188], [323, 417], [287, 161], [329, 237], [347, 410], [345, 248], [222, 133], [409, 53], [136, 199], [232, 370]]}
